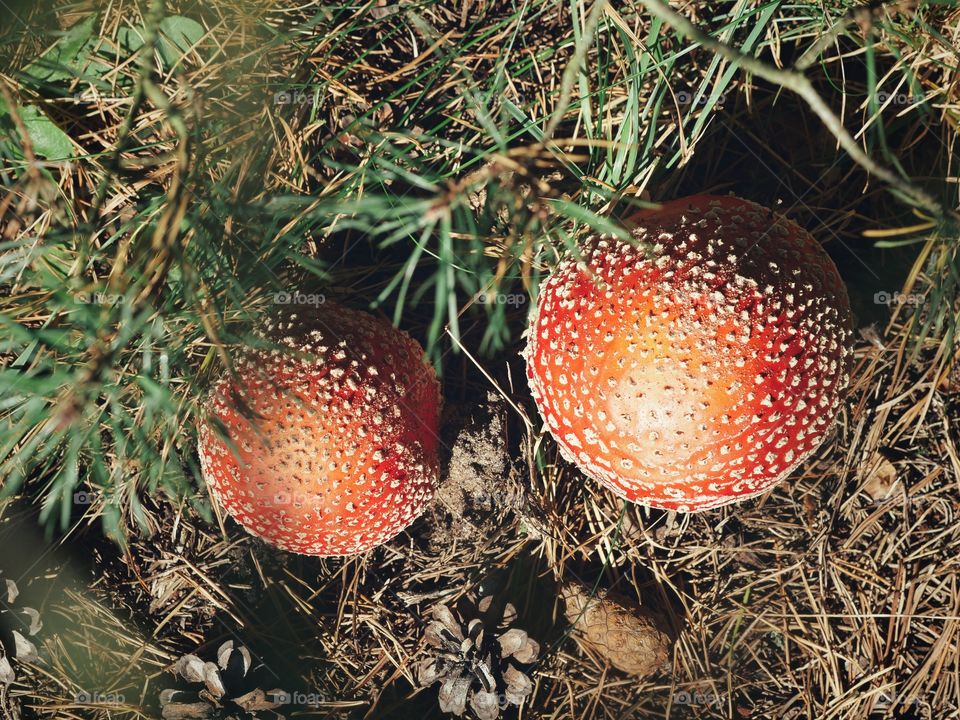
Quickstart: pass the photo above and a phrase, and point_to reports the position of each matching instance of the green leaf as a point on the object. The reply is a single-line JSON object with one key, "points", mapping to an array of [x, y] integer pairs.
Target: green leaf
{"points": [[66, 58], [130, 39], [177, 35], [48, 140]]}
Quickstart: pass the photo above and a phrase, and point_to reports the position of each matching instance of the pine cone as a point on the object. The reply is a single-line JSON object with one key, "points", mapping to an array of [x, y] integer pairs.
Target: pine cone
{"points": [[22, 623], [222, 694], [630, 637], [476, 667]]}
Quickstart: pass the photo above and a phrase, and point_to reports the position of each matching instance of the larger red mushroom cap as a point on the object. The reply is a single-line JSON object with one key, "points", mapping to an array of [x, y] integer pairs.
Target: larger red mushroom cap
{"points": [[331, 436], [698, 366]]}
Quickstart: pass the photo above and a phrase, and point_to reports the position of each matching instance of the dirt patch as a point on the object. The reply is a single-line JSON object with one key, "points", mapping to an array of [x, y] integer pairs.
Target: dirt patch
{"points": [[478, 479]]}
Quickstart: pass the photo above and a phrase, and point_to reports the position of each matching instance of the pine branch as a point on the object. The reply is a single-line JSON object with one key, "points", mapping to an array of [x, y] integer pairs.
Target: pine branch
{"points": [[801, 85]]}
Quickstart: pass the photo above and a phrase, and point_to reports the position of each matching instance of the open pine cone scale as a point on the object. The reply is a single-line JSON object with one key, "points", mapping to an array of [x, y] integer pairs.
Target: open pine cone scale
{"points": [[477, 667]]}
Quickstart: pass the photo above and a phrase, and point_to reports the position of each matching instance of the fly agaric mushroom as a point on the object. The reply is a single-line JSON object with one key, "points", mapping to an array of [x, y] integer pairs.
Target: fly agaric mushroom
{"points": [[332, 435], [701, 364]]}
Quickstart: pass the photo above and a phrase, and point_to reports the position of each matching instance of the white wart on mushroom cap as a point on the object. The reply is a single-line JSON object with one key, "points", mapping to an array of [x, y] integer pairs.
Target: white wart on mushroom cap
{"points": [[332, 434], [699, 366]]}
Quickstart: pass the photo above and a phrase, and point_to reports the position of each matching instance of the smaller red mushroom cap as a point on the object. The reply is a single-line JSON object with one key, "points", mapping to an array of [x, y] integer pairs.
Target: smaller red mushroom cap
{"points": [[698, 366], [333, 434]]}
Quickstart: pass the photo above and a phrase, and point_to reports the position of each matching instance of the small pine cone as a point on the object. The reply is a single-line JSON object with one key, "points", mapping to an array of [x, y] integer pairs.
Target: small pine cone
{"points": [[631, 638], [478, 668], [223, 683]]}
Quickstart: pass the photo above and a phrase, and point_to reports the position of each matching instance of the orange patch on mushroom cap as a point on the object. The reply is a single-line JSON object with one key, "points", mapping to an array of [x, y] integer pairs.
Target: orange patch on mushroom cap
{"points": [[699, 369], [331, 444]]}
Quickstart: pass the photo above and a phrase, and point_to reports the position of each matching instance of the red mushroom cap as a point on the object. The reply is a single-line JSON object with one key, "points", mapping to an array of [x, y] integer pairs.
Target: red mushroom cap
{"points": [[700, 369], [335, 434]]}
